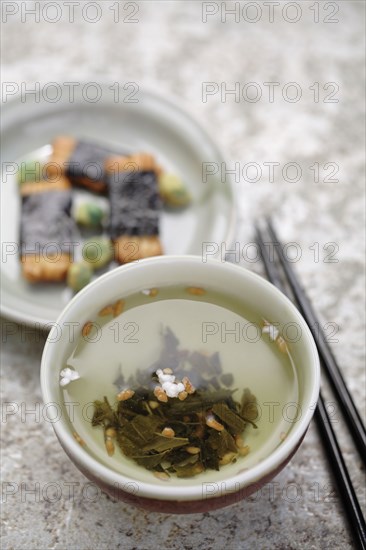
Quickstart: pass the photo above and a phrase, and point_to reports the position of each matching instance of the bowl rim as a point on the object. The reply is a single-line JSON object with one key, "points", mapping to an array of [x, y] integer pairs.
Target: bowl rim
{"points": [[171, 492]]}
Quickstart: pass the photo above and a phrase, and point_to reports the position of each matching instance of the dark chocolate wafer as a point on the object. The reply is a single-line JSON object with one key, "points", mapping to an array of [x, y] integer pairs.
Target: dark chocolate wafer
{"points": [[83, 162], [46, 231], [135, 208]]}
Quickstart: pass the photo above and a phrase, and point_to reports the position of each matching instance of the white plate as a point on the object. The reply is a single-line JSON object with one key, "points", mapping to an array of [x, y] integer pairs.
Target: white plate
{"points": [[153, 125]]}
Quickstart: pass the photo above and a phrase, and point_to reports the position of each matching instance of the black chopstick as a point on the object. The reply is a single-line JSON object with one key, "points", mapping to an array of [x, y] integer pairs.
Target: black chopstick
{"points": [[340, 471], [272, 274], [339, 468], [350, 412]]}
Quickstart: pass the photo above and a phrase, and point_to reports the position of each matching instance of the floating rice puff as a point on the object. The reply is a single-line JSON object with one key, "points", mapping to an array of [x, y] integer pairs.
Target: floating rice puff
{"points": [[195, 291], [112, 309], [68, 375], [135, 207], [79, 439], [152, 292], [46, 231], [274, 335]]}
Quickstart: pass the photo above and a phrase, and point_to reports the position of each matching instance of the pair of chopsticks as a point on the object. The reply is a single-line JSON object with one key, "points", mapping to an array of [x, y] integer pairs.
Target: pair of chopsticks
{"points": [[331, 368]]}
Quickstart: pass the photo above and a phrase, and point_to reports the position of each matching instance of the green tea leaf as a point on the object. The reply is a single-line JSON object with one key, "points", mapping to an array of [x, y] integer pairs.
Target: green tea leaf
{"points": [[127, 446], [189, 470], [150, 462], [141, 429], [210, 457], [249, 409], [222, 442], [215, 363], [227, 379], [198, 402], [162, 443], [103, 414], [229, 417]]}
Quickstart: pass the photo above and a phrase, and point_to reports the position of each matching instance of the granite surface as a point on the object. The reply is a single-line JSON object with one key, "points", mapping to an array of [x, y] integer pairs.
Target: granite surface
{"points": [[47, 503]]}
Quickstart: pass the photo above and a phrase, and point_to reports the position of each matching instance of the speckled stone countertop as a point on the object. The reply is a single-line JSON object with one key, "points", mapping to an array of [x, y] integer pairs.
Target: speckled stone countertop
{"points": [[47, 503]]}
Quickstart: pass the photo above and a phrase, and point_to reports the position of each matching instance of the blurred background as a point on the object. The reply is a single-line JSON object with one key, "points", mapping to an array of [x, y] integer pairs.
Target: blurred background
{"points": [[279, 86]]}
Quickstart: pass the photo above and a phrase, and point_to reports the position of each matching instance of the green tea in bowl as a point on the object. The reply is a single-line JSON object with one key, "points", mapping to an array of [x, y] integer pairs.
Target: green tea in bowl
{"points": [[192, 383], [179, 381]]}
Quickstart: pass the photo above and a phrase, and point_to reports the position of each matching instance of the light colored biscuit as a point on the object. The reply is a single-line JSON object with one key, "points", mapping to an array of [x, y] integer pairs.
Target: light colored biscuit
{"points": [[140, 162], [43, 186], [130, 248], [36, 269], [62, 149]]}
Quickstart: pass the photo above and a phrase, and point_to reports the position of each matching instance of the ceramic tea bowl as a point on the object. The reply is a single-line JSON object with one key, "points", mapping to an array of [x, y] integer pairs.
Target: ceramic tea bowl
{"points": [[210, 489]]}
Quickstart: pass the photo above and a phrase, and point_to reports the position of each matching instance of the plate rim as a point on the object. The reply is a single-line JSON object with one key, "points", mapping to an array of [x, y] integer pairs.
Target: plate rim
{"points": [[173, 103]]}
